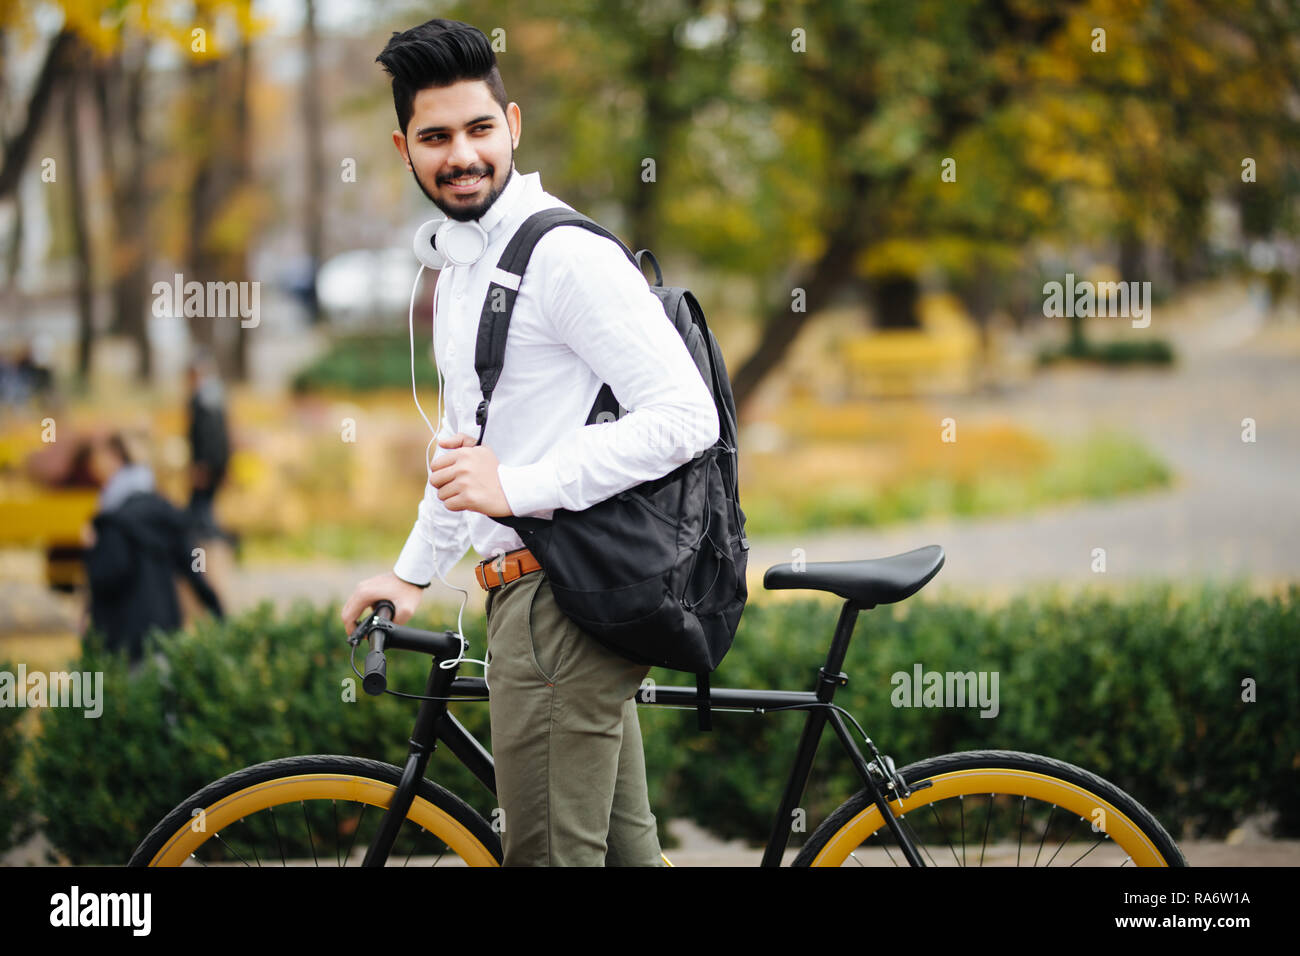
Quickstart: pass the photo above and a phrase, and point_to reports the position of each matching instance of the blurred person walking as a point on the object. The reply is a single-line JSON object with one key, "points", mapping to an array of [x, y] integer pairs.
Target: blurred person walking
{"points": [[136, 544], [209, 444]]}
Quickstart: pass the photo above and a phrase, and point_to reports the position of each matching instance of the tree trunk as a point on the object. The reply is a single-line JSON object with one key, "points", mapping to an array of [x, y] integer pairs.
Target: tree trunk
{"points": [[896, 298], [243, 166], [82, 283], [782, 325], [17, 150], [219, 125], [120, 99], [313, 204]]}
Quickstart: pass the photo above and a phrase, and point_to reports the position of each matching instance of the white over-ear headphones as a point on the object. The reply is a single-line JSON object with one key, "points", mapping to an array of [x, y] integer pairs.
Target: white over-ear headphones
{"points": [[440, 242]]}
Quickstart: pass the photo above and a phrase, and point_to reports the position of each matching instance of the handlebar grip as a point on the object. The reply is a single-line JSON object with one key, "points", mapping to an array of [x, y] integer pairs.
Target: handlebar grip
{"points": [[375, 679]]}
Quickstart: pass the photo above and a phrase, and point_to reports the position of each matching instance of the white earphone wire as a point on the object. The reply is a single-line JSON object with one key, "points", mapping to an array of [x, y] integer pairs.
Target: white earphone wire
{"points": [[428, 468]]}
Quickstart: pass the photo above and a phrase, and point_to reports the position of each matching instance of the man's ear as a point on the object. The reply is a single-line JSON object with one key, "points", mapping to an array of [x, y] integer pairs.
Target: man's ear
{"points": [[400, 142], [514, 120]]}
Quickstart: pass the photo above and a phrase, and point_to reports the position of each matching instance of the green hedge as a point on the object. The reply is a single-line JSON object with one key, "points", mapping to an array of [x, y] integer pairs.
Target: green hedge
{"points": [[1153, 352], [1144, 691], [361, 363], [15, 800]]}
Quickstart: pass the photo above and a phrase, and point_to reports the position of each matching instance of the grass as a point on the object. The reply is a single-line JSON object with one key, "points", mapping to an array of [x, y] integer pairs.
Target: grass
{"points": [[854, 467]]}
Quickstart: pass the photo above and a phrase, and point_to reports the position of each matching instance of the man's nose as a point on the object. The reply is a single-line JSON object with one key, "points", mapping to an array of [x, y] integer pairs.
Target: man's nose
{"points": [[463, 155]]}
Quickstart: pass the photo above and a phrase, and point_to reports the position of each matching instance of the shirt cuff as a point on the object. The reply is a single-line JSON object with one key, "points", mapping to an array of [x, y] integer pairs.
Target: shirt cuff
{"points": [[415, 563], [530, 488]]}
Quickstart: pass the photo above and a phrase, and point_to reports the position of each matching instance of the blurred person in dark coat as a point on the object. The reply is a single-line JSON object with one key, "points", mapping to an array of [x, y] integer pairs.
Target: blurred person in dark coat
{"points": [[137, 543], [209, 443]]}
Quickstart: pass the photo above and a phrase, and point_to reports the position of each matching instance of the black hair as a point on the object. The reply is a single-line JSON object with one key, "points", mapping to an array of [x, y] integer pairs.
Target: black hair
{"points": [[117, 444], [438, 53]]}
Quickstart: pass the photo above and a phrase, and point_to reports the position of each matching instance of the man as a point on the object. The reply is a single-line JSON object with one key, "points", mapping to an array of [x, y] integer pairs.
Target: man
{"points": [[570, 767], [209, 443], [138, 543]]}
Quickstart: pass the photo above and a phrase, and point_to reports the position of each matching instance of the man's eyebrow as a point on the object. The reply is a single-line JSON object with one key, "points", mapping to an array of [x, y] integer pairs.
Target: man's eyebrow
{"points": [[439, 129]]}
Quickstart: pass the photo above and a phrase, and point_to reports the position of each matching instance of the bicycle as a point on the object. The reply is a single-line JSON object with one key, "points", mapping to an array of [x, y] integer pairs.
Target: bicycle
{"points": [[892, 819]]}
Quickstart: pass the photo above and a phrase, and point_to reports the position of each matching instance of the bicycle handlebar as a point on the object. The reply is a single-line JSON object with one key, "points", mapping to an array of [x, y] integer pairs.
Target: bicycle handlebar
{"points": [[386, 636], [375, 680]]}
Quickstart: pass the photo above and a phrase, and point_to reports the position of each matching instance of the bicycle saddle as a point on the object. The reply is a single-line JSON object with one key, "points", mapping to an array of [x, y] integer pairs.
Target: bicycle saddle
{"points": [[867, 582]]}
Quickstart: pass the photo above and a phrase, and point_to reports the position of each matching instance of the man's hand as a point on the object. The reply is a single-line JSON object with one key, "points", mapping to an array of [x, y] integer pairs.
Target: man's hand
{"points": [[466, 478], [387, 587]]}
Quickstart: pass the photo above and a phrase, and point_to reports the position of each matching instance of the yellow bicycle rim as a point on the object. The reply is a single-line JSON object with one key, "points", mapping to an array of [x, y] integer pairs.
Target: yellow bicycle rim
{"points": [[980, 781], [319, 786]]}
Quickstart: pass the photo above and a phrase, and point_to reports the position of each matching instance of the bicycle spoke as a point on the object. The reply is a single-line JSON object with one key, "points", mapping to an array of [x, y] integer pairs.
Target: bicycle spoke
{"points": [[961, 803], [357, 830], [217, 837], [414, 840], [253, 844], [1091, 848], [1050, 818], [334, 807], [276, 827], [988, 815], [303, 804], [911, 835], [1062, 846], [1021, 831], [885, 845], [944, 830]]}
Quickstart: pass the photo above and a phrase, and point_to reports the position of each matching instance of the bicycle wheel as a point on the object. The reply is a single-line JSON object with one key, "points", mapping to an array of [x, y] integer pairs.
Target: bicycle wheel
{"points": [[317, 810], [997, 808]]}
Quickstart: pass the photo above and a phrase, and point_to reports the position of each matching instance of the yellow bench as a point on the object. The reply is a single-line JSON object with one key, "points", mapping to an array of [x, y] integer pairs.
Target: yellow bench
{"points": [[940, 357], [49, 519]]}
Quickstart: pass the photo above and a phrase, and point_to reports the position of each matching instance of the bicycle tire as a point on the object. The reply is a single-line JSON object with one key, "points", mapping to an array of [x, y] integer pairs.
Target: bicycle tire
{"points": [[992, 773], [435, 810]]}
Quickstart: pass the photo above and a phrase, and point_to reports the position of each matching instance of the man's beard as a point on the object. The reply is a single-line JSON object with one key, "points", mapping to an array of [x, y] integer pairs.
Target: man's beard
{"points": [[468, 213]]}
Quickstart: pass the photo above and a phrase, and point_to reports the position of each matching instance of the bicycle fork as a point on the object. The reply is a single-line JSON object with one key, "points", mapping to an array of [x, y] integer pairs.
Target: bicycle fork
{"points": [[424, 740]]}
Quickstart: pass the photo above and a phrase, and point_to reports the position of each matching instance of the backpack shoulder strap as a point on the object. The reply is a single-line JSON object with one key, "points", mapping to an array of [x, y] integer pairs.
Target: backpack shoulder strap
{"points": [[499, 304]]}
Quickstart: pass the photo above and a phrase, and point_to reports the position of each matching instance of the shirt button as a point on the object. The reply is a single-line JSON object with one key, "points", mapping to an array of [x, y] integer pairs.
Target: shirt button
{"points": [[451, 350]]}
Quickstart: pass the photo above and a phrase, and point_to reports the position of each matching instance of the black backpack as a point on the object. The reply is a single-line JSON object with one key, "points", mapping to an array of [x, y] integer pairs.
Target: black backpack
{"points": [[656, 573]]}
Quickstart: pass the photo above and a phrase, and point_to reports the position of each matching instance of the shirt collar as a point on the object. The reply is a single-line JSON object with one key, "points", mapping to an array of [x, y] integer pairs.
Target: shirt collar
{"points": [[495, 218]]}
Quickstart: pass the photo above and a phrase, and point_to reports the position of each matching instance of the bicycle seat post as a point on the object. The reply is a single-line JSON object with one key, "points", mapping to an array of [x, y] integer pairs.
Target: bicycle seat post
{"points": [[830, 676]]}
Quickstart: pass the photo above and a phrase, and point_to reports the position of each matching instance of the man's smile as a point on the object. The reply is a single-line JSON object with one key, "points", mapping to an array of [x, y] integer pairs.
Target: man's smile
{"points": [[466, 184]]}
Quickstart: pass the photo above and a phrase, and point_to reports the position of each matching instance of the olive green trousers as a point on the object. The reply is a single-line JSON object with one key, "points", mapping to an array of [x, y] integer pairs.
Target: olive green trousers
{"points": [[570, 767]]}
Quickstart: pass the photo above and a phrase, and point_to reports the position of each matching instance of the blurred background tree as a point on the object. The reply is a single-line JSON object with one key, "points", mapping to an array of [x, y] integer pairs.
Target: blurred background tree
{"points": [[788, 145]]}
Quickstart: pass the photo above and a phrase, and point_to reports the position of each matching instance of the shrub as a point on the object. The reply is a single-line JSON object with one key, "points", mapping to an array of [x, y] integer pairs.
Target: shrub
{"points": [[361, 363], [1145, 691]]}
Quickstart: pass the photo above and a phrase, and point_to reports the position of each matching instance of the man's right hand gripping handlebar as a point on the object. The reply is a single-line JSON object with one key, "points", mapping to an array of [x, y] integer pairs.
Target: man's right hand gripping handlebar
{"points": [[404, 596], [392, 600]]}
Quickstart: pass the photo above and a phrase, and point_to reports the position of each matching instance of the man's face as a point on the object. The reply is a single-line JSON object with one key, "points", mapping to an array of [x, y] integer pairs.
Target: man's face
{"points": [[459, 132], [104, 461]]}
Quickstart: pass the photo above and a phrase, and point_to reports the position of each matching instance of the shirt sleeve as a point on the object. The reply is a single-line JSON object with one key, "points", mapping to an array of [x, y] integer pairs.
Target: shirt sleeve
{"points": [[602, 308], [439, 537]]}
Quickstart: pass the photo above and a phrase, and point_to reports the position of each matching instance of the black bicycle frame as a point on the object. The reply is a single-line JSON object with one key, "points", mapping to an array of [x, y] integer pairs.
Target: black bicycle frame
{"points": [[435, 723]]}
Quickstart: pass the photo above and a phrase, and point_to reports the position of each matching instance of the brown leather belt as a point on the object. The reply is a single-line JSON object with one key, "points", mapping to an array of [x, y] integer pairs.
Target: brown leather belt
{"points": [[494, 572]]}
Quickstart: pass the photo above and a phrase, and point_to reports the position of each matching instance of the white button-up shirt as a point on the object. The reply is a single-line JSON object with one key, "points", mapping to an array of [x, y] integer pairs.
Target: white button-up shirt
{"points": [[584, 315]]}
